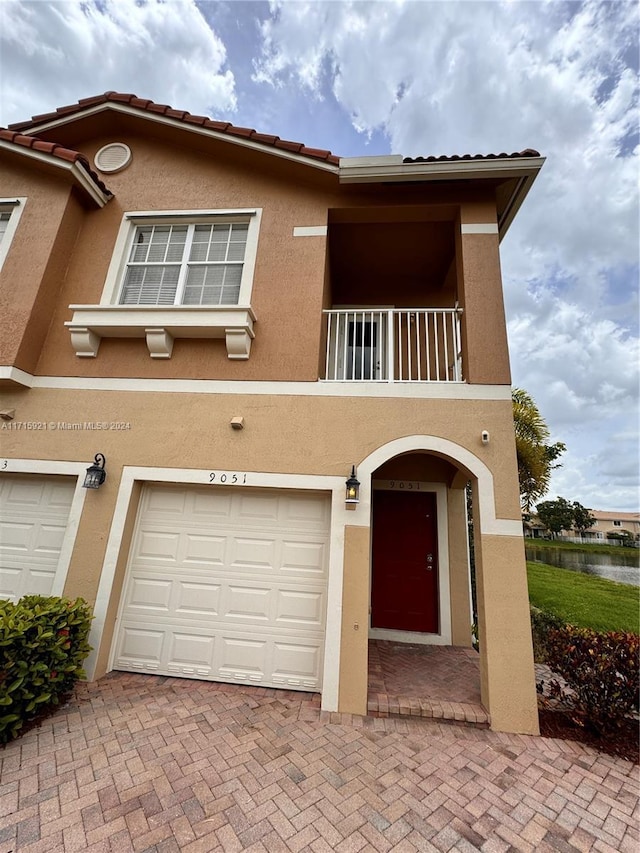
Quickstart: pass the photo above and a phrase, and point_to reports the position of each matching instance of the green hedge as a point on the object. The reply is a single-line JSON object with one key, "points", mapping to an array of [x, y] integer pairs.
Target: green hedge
{"points": [[542, 622], [602, 671], [43, 643]]}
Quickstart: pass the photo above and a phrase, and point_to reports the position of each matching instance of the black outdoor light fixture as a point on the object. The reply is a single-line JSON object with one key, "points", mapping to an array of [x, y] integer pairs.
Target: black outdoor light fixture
{"points": [[96, 475], [353, 488]]}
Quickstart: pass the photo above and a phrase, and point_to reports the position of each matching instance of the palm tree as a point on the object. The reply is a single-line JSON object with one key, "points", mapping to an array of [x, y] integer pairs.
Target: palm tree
{"points": [[535, 456]]}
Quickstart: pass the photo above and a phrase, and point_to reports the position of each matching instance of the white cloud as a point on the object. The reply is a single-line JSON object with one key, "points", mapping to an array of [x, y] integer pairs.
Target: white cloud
{"points": [[445, 78], [54, 53], [433, 78]]}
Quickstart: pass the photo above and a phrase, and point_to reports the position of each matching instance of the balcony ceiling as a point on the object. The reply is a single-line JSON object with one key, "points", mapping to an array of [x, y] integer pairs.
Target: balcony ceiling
{"points": [[372, 263]]}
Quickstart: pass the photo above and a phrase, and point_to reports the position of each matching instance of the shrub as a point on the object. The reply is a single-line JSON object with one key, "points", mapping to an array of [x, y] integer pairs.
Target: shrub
{"points": [[542, 622], [43, 643], [602, 671]]}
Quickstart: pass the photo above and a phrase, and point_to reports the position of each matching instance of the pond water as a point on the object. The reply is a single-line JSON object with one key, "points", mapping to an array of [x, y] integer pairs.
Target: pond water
{"points": [[623, 567]]}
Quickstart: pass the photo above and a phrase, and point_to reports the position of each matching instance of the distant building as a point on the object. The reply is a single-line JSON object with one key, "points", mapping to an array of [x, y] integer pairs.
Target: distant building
{"points": [[609, 524]]}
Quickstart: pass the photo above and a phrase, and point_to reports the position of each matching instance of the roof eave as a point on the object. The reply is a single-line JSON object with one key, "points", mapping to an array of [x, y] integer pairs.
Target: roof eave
{"points": [[79, 175], [181, 125], [392, 169]]}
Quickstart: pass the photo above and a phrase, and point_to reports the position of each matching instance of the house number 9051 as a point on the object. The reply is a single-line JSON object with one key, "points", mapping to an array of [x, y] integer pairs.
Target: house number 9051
{"points": [[229, 479], [404, 484]]}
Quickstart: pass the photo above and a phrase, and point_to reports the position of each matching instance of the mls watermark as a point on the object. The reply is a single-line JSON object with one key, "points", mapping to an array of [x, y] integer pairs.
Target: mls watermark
{"points": [[64, 426]]}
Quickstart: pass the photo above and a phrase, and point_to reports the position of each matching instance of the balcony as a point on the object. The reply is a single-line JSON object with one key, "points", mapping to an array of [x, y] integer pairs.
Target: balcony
{"points": [[389, 345]]}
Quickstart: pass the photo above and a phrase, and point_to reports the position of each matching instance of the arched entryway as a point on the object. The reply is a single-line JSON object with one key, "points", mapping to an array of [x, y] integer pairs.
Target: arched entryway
{"points": [[429, 464], [420, 592]]}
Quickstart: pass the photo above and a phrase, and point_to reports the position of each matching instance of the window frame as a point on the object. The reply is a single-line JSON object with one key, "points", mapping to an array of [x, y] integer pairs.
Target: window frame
{"points": [[114, 282], [14, 206]]}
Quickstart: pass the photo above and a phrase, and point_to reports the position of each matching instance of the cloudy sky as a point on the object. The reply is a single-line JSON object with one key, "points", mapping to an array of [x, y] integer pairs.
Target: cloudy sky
{"points": [[418, 78]]}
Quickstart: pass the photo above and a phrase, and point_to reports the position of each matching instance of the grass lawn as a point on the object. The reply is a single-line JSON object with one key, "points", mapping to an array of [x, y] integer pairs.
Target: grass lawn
{"points": [[583, 600], [585, 547]]}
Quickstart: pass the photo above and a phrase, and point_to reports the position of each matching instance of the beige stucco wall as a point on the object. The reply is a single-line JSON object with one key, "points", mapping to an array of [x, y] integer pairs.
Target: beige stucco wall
{"points": [[506, 655], [485, 352], [355, 621], [283, 433], [36, 262]]}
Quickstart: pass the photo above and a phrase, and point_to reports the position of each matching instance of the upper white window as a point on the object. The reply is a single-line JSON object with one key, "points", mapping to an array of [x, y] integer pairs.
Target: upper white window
{"points": [[196, 257], [185, 264], [10, 212]]}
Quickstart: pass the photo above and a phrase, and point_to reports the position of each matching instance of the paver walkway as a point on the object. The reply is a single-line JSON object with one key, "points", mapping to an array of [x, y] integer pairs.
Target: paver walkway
{"points": [[439, 682], [144, 763]]}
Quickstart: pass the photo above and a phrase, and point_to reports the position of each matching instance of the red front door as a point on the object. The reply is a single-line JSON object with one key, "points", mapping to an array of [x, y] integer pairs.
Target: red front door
{"points": [[405, 562]]}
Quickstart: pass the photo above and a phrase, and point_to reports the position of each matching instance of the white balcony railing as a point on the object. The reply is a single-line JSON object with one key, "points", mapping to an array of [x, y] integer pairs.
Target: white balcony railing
{"points": [[389, 345]]}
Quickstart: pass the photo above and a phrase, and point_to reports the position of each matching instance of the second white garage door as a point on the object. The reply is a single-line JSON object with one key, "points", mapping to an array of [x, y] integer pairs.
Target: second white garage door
{"points": [[34, 512], [227, 585]]}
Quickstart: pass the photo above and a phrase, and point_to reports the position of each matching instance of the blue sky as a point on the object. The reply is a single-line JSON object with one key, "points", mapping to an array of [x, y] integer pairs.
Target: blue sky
{"points": [[419, 78]]}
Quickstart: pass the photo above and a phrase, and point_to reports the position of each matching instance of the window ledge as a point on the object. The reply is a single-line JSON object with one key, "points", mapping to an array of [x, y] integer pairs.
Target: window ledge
{"points": [[160, 324]]}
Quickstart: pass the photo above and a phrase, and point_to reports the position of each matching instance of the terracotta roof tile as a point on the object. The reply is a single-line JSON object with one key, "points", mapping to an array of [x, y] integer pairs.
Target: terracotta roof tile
{"points": [[232, 130], [217, 125], [179, 115], [444, 158], [195, 119], [289, 146], [54, 150], [265, 138], [156, 108]]}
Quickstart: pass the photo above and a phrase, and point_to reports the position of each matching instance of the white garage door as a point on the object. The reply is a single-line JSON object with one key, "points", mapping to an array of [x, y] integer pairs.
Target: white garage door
{"points": [[227, 585], [34, 512]]}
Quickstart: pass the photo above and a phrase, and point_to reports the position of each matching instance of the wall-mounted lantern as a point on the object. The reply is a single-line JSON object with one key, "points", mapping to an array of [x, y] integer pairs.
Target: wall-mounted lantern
{"points": [[96, 475], [353, 488]]}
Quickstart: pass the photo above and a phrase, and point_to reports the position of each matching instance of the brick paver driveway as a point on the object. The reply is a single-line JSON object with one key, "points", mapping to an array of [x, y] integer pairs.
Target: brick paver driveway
{"points": [[156, 764]]}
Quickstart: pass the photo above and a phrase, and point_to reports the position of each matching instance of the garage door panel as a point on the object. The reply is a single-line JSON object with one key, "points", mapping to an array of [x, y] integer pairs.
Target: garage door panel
{"points": [[158, 547], [295, 664], [211, 506], [242, 659], [247, 604], [10, 582], [149, 594], [190, 653], [204, 550], [197, 599], [303, 557], [251, 553], [17, 537], [140, 647], [312, 513], [254, 507], [300, 609], [238, 594], [38, 582], [48, 538], [163, 503]]}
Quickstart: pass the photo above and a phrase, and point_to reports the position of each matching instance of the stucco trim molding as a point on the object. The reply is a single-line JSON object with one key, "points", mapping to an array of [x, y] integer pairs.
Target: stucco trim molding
{"points": [[9, 373], [413, 390], [479, 228], [310, 231], [489, 524]]}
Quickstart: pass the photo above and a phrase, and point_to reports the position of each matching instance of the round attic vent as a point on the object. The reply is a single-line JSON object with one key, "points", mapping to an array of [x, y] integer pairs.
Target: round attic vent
{"points": [[113, 157]]}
